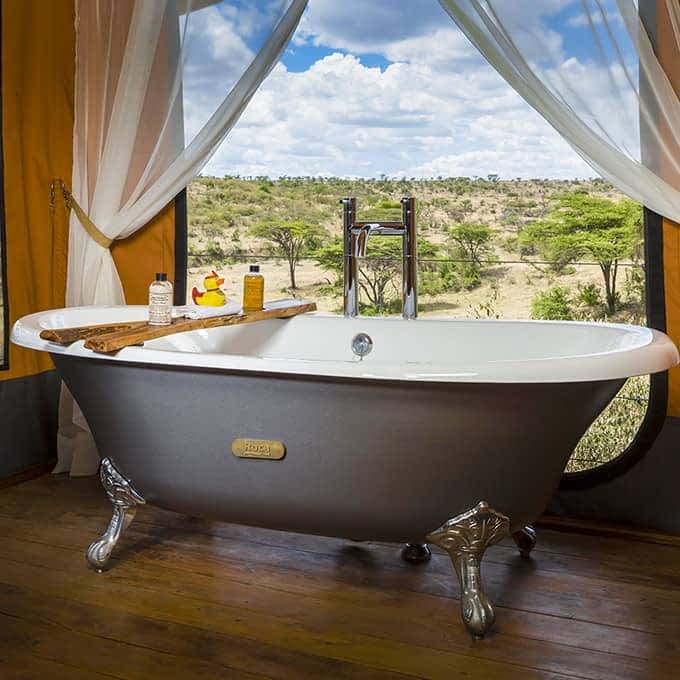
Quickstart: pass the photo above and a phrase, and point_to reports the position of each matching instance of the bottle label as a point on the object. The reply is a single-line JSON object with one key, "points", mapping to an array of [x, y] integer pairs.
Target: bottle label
{"points": [[253, 293], [160, 309]]}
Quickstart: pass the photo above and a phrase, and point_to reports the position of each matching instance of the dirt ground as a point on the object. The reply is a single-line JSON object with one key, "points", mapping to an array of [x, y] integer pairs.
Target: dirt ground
{"points": [[507, 290]]}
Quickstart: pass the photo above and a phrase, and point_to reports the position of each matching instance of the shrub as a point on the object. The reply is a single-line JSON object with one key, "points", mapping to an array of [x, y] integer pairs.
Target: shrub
{"points": [[553, 303], [438, 280], [469, 274], [589, 295]]}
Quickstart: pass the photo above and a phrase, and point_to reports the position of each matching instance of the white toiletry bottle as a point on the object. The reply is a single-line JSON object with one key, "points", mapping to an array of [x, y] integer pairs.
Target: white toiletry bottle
{"points": [[160, 301]]}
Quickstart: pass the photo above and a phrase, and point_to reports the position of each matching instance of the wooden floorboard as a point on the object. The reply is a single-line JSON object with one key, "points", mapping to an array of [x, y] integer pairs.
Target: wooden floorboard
{"points": [[196, 599]]}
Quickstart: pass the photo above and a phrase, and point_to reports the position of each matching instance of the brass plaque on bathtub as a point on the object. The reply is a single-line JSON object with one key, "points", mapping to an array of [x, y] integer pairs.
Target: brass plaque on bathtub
{"points": [[269, 449]]}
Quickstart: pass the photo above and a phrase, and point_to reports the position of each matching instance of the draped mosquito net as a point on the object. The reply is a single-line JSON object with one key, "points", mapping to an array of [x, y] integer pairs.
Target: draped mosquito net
{"points": [[589, 67], [159, 84]]}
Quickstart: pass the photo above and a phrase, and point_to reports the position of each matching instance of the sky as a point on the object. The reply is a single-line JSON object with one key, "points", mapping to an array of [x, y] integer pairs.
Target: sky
{"points": [[386, 87]]}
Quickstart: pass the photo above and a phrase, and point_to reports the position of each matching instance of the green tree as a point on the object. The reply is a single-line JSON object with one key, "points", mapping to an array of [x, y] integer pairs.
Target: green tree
{"points": [[379, 272], [471, 241], [291, 238], [580, 226]]}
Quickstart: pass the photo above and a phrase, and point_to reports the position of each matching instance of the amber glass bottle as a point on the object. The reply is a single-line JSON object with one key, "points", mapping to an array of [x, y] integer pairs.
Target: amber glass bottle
{"points": [[253, 290]]}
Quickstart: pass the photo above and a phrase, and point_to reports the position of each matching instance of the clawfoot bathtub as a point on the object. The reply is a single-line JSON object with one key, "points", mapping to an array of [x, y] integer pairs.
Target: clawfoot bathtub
{"points": [[447, 432]]}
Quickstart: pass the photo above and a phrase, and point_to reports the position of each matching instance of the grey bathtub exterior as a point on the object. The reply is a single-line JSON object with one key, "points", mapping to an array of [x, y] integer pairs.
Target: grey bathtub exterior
{"points": [[365, 459]]}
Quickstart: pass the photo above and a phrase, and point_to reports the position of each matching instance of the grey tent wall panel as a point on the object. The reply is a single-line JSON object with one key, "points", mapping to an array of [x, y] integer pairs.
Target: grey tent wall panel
{"points": [[28, 421]]}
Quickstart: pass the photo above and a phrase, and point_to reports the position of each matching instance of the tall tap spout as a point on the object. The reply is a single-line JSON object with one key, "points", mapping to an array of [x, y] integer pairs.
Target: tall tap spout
{"points": [[359, 241]]}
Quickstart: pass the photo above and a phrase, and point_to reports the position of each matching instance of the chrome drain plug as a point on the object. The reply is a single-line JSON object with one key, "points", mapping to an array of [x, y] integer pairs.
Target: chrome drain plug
{"points": [[362, 344]]}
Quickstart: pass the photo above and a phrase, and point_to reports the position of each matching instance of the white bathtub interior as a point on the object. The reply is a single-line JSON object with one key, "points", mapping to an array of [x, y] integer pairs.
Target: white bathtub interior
{"points": [[426, 341], [432, 349]]}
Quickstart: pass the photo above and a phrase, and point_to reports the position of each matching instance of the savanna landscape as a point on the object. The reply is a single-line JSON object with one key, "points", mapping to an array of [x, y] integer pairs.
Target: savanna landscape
{"points": [[475, 255], [488, 248]]}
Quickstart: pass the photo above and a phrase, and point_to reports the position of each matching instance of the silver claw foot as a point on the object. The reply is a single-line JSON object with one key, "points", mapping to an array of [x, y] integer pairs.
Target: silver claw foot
{"points": [[525, 539], [466, 538], [125, 501], [416, 553]]}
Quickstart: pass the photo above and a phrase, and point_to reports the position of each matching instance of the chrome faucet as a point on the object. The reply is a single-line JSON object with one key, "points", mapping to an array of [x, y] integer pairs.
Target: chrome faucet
{"points": [[356, 235]]}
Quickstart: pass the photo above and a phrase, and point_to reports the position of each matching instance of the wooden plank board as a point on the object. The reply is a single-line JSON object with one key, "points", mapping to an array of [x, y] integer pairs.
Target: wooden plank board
{"points": [[67, 336], [297, 602], [181, 642], [105, 657], [108, 338], [260, 587], [112, 342]]}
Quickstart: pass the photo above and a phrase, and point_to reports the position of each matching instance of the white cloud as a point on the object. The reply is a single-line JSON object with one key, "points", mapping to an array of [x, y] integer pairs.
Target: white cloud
{"points": [[340, 117], [439, 109], [217, 56], [582, 19], [368, 26]]}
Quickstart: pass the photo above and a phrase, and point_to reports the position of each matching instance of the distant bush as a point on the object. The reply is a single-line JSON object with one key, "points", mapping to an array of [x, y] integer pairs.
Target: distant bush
{"points": [[212, 254], [386, 204], [469, 275], [554, 303], [439, 279], [589, 295]]}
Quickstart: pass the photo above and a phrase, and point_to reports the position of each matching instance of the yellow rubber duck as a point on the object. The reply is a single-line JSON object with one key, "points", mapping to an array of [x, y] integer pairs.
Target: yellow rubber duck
{"points": [[213, 296]]}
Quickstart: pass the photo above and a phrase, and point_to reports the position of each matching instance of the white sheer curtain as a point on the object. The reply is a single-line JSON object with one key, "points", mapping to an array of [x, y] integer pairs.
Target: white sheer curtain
{"points": [[139, 64], [589, 68]]}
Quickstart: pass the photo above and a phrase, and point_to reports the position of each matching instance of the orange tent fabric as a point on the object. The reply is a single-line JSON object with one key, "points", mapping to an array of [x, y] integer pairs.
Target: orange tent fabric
{"points": [[38, 60]]}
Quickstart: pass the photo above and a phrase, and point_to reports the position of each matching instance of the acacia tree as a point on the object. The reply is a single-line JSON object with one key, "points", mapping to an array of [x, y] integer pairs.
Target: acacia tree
{"points": [[291, 238], [589, 226], [472, 241]]}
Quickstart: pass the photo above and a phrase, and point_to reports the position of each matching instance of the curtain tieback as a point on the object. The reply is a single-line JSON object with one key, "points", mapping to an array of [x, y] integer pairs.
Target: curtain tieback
{"points": [[90, 227]]}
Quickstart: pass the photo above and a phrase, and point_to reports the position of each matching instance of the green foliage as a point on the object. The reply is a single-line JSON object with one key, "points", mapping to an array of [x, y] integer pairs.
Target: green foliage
{"points": [[584, 226], [552, 304], [381, 270], [469, 275], [384, 210], [438, 278], [330, 258], [589, 295], [634, 289], [472, 241], [291, 238], [616, 427]]}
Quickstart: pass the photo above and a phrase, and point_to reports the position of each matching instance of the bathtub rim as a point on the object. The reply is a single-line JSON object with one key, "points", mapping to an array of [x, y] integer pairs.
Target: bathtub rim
{"points": [[656, 355], [440, 385]]}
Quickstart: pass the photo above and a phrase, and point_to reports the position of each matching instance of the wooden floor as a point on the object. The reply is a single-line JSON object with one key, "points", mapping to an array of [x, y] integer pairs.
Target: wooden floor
{"points": [[191, 599]]}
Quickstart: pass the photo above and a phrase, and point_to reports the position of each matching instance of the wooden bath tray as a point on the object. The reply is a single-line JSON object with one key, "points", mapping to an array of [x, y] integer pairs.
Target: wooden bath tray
{"points": [[108, 338]]}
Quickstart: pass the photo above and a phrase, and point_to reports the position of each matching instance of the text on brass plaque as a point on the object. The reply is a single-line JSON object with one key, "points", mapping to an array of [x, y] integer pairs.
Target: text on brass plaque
{"points": [[269, 449]]}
